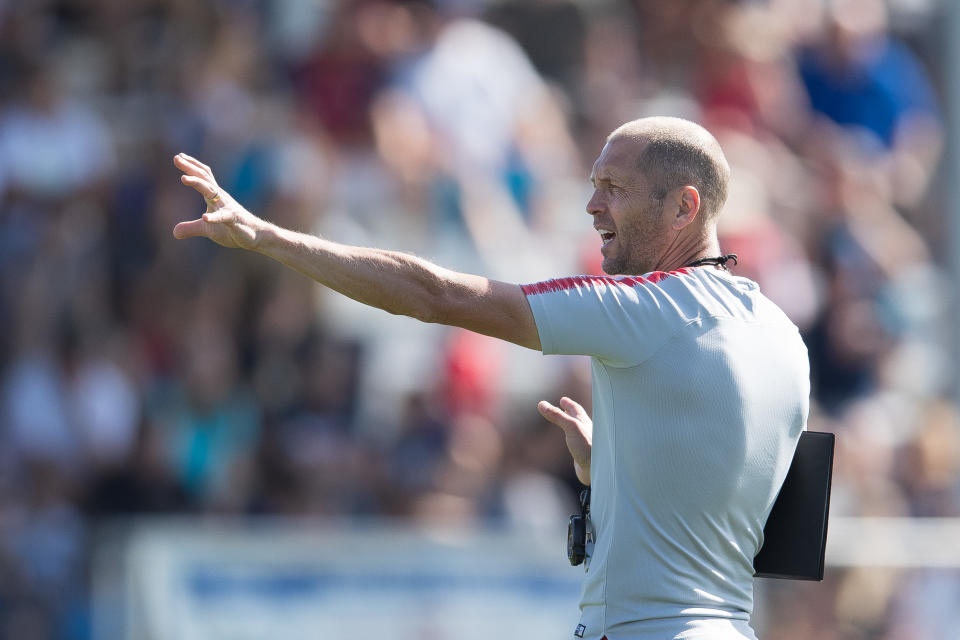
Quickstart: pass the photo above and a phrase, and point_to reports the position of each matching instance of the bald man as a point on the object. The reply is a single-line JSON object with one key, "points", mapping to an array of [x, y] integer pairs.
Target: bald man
{"points": [[700, 383]]}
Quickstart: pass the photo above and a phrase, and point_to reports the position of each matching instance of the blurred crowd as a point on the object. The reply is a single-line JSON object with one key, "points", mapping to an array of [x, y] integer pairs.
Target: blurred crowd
{"points": [[144, 375]]}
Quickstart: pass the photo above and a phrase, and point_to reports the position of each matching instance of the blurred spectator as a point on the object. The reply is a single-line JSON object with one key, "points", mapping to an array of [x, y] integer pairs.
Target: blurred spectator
{"points": [[551, 33], [52, 147], [35, 416], [142, 483], [209, 421], [860, 76], [339, 78]]}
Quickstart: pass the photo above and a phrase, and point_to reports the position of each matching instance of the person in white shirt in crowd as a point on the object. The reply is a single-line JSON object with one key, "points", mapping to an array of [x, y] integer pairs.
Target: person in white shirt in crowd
{"points": [[700, 383]]}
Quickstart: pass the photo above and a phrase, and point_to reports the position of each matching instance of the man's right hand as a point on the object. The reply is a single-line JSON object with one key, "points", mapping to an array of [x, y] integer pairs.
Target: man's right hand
{"points": [[577, 429], [225, 221]]}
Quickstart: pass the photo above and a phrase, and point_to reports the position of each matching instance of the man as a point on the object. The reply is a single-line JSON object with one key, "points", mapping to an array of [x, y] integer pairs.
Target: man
{"points": [[700, 383]]}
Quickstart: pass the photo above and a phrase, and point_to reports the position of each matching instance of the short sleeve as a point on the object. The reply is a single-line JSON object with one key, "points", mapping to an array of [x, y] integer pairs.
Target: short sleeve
{"points": [[621, 321]]}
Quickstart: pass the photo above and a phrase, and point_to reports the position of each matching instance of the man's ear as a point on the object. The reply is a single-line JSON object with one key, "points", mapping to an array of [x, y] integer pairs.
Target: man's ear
{"points": [[688, 207]]}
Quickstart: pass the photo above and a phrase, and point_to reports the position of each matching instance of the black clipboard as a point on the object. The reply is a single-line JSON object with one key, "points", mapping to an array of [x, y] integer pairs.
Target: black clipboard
{"points": [[795, 536]]}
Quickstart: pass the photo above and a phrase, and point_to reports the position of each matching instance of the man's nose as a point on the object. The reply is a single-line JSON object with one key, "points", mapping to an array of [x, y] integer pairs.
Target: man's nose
{"points": [[595, 205]]}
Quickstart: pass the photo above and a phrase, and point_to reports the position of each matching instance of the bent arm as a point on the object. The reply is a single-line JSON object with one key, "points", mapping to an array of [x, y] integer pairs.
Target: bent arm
{"points": [[403, 284]]}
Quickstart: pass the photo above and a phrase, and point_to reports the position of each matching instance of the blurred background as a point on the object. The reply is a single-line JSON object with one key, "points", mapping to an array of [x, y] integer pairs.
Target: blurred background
{"points": [[161, 400]]}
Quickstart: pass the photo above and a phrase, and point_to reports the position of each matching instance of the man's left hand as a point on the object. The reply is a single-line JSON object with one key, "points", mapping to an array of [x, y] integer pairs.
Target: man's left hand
{"points": [[578, 430]]}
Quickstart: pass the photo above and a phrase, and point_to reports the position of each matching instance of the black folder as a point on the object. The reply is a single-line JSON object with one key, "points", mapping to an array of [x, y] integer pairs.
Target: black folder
{"points": [[795, 536]]}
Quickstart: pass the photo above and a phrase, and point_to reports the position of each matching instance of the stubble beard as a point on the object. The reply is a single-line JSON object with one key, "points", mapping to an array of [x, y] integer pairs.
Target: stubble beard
{"points": [[637, 254], [619, 266], [614, 266]]}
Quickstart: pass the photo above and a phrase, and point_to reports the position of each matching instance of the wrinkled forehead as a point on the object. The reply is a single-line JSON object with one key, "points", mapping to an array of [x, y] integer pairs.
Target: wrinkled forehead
{"points": [[618, 159]]}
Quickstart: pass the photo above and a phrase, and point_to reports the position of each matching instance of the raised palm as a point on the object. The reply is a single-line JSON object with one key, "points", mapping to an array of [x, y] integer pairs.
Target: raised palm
{"points": [[225, 221]]}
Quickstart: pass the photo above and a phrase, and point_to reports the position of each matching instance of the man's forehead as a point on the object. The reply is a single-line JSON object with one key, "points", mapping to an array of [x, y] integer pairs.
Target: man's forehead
{"points": [[617, 159]]}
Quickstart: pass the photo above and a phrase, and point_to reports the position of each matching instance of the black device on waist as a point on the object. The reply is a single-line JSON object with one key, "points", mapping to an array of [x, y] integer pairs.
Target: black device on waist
{"points": [[577, 531]]}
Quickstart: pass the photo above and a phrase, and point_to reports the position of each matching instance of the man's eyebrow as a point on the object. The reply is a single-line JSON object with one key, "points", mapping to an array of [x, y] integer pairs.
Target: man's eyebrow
{"points": [[605, 176], [604, 172], [600, 176]]}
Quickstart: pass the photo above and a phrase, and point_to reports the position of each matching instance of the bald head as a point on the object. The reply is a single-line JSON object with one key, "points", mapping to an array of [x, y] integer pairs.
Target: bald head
{"points": [[674, 153]]}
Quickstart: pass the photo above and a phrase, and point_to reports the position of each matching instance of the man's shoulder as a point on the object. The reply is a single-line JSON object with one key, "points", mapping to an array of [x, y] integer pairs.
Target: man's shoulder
{"points": [[718, 293], [585, 282]]}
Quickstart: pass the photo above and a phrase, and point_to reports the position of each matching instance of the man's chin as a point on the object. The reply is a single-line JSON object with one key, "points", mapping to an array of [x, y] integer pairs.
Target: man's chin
{"points": [[612, 267], [616, 267]]}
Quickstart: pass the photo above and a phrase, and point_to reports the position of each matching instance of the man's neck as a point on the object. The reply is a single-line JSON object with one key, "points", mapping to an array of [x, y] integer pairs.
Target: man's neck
{"points": [[683, 254]]}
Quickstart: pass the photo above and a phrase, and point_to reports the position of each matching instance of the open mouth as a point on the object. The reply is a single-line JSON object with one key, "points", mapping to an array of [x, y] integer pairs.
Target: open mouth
{"points": [[606, 236]]}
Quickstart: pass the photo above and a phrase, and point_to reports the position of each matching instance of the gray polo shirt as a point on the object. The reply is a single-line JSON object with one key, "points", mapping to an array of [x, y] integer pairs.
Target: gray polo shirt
{"points": [[700, 392]]}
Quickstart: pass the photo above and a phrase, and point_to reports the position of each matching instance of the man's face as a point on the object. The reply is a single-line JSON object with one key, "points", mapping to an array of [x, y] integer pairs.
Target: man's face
{"points": [[630, 222]]}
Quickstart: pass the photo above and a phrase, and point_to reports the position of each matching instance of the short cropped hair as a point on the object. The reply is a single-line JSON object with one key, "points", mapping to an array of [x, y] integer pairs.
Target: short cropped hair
{"points": [[676, 153]]}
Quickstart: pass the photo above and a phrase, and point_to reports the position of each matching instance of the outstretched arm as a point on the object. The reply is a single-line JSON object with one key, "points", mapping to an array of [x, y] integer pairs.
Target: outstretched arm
{"points": [[577, 429], [396, 282]]}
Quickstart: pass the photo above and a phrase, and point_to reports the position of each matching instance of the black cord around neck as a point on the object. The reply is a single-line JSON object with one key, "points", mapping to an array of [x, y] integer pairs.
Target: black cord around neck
{"points": [[719, 261]]}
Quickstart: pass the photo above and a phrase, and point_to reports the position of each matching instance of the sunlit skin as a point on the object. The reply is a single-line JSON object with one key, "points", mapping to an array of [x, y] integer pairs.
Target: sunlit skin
{"points": [[639, 234]]}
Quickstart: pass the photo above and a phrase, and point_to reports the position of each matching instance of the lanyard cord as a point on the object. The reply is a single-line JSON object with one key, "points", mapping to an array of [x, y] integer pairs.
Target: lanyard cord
{"points": [[719, 261]]}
